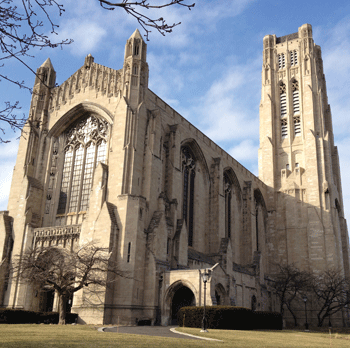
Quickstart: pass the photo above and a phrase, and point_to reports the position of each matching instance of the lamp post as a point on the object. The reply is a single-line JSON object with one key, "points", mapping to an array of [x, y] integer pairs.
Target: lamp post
{"points": [[306, 323], [206, 277]]}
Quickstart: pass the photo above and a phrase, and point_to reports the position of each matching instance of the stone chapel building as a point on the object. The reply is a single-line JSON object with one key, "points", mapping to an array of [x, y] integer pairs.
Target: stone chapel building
{"points": [[111, 162]]}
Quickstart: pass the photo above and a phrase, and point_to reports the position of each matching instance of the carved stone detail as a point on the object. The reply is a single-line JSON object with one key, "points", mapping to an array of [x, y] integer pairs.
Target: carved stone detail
{"points": [[95, 76], [56, 234]]}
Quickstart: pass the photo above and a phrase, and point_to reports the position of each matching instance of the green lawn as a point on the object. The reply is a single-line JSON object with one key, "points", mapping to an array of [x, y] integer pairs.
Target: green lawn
{"points": [[40, 336]]}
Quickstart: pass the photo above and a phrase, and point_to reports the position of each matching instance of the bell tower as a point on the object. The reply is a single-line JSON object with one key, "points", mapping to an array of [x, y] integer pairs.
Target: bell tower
{"points": [[297, 156]]}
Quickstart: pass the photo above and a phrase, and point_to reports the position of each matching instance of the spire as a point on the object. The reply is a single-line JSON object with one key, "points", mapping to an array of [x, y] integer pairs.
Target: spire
{"points": [[47, 64], [136, 35], [136, 47]]}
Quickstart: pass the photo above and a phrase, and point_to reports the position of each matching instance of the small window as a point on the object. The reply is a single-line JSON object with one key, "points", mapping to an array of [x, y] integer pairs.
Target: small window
{"points": [[296, 165], [297, 126], [293, 58], [129, 249], [136, 50], [287, 166], [283, 100], [284, 128], [281, 61], [295, 90]]}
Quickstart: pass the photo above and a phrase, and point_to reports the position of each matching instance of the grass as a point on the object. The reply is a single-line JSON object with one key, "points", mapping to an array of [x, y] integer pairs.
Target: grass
{"points": [[40, 336]]}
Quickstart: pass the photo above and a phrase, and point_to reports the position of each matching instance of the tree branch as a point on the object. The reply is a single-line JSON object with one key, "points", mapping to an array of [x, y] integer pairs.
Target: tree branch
{"points": [[146, 21]]}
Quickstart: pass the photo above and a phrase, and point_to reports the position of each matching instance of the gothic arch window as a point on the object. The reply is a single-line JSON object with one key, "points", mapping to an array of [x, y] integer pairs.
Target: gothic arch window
{"points": [[293, 58], [295, 92], [283, 100], [283, 110], [260, 219], [85, 144], [296, 108], [281, 61], [228, 205], [189, 172], [257, 225], [136, 48]]}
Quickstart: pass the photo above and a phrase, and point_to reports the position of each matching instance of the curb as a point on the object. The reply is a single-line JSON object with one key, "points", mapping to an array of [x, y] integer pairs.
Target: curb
{"points": [[200, 337]]}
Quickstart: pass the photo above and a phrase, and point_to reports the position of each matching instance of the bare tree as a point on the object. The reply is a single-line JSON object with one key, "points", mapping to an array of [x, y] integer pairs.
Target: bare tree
{"points": [[290, 283], [331, 289], [23, 29], [24, 24], [65, 271], [7, 115], [134, 8]]}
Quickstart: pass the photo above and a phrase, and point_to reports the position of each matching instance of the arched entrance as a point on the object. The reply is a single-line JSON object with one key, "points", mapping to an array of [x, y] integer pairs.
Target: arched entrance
{"points": [[183, 297]]}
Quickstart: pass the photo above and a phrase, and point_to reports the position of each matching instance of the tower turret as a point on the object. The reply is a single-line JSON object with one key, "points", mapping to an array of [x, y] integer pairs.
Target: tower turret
{"points": [[45, 80], [135, 69]]}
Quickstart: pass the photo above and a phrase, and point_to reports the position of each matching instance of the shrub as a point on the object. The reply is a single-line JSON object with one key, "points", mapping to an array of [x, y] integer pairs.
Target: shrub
{"points": [[18, 316], [268, 320], [229, 318], [21, 316]]}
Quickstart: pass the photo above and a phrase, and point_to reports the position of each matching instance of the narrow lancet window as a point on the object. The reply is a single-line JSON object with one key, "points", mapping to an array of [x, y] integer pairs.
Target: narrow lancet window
{"points": [[296, 103], [188, 169], [281, 61], [228, 204], [284, 128], [136, 50], [283, 100], [297, 126], [293, 58], [129, 253]]}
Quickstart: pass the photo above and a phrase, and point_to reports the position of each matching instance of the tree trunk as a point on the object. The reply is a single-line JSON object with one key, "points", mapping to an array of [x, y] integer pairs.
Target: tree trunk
{"points": [[62, 310], [293, 315], [320, 320]]}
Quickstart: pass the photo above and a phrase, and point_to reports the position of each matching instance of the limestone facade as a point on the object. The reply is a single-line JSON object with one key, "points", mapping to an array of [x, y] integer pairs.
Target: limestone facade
{"points": [[108, 161]]}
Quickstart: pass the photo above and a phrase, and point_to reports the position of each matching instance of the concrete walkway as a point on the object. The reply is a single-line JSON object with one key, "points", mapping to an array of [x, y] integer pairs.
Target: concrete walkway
{"points": [[162, 331]]}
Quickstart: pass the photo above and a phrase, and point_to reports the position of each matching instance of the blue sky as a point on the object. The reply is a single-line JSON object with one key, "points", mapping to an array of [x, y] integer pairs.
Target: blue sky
{"points": [[208, 69]]}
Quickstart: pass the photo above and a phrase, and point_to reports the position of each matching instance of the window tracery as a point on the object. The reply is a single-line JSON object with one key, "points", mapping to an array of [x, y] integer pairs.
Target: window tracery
{"points": [[85, 146], [188, 169]]}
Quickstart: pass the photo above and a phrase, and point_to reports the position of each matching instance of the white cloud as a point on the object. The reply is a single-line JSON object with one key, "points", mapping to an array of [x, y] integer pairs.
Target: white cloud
{"points": [[227, 111], [204, 17], [336, 58], [165, 84], [87, 36], [246, 152]]}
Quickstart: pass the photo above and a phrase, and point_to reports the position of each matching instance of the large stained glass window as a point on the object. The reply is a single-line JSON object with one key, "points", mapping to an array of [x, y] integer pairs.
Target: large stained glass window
{"points": [[85, 147]]}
